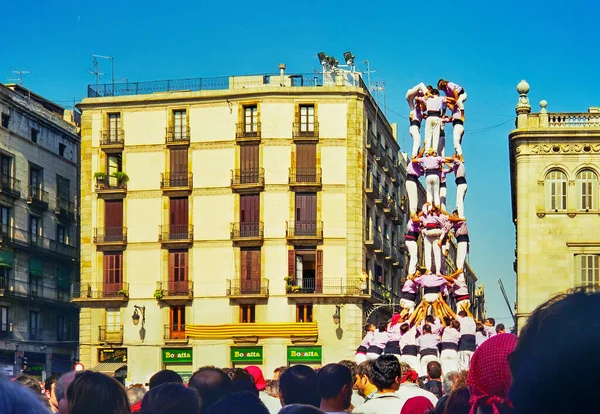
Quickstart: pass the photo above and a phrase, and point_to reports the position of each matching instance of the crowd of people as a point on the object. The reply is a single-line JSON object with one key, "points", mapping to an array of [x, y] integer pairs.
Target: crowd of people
{"points": [[556, 350]]}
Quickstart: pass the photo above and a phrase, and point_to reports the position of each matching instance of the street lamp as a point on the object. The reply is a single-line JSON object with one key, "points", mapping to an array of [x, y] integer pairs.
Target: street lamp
{"points": [[136, 316], [336, 315]]}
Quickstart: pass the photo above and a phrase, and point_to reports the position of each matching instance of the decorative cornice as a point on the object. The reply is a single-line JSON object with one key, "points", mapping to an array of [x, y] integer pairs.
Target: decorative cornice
{"points": [[565, 148]]}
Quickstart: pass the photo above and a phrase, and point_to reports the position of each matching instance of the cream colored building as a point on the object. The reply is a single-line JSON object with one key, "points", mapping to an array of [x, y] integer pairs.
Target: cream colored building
{"points": [[555, 165], [233, 218]]}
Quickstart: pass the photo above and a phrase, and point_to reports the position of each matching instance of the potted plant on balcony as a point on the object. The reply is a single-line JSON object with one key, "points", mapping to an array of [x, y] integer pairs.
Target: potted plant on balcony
{"points": [[159, 294], [121, 177], [289, 284], [100, 178], [123, 292]]}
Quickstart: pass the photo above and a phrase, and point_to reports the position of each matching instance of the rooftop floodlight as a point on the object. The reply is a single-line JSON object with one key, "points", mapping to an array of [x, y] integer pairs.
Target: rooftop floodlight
{"points": [[332, 62], [322, 58], [349, 58]]}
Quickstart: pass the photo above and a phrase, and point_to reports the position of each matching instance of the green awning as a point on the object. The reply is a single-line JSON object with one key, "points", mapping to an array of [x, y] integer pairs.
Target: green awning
{"points": [[63, 278], [35, 267], [7, 258]]}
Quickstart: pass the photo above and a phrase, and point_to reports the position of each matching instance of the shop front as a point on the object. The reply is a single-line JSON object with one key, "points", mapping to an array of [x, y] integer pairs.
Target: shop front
{"points": [[7, 363], [306, 355], [112, 362], [243, 356], [61, 363], [180, 360], [36, 365]]}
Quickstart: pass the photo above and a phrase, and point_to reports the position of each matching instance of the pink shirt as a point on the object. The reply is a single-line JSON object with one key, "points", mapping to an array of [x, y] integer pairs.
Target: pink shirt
{"points": [[429, 219], [460, 286], [394, 332], [431, 163], [459, 169], [435, 103], [367, 339], [430, 280], [412, 226], [460, 228], [379, 339], [444, 173], [410, 286], [414, 168], [416, 114], [452, 87]]}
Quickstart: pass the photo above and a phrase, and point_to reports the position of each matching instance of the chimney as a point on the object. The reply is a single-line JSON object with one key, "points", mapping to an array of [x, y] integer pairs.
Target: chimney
{"points": [[281, 74]]}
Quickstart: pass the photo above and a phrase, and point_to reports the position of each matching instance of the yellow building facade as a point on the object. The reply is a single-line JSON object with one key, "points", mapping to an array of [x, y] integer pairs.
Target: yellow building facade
{"points": [[228, 221], [555, 165]]}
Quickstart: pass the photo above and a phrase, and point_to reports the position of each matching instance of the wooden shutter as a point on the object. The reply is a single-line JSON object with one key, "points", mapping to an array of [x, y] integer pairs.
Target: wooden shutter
{"points": [[292, 264], [249, 158], [113, 272], [306, 156], [178, 211], [179, 160], [113, 220], [319, 272]]}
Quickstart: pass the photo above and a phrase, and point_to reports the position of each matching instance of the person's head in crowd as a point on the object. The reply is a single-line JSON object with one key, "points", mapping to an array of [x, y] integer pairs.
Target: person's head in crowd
{"points": [[370, 327], [335, 385], [363, 379], [50, 391], [242, 381], [429, 319], [458, 402], [60, 390], [278, 371], [455, 324], [416, 405], [434, 373], [172, 398], [135, 395], [163, 377], [299, 385], [404, 328], [212, 384], [95, 393], [490, 322], [238, 402], [30, 383], [300, 409], [426, 329], [479, 328], [17, 399], [382, 327], [351, 365], [272, 388], [461, 380], [257, 377], [462, 314], [500, 329], [557, 351], [385, 373], [489, 375], [448, 381]]}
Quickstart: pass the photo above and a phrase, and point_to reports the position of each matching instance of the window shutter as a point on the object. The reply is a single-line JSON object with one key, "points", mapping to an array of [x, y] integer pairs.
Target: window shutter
{"points": [[255, 265], [292, 264], [319, 272], [244, 264]]}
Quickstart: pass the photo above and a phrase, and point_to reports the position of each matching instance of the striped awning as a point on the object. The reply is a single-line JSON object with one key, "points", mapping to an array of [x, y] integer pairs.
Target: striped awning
{"points": [[260, 330], [108, 368]]}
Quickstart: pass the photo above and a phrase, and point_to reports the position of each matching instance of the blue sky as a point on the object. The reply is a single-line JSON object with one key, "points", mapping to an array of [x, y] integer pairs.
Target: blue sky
{"points": [[487, 47]]}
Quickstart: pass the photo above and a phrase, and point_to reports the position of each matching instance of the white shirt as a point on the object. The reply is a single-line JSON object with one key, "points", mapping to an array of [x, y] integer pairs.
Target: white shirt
{"points": [[409, 338], [381, 404], [451, 335], [480, 338], [273, 404], [357, 400], [409, 390], [460, 286], [428, 341], [467, 325]]}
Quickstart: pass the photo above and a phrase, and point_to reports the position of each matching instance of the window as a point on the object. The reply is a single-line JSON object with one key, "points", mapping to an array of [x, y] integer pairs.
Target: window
{"points": [[306, 163], [250, 271], [5, 219], [34, 319], [61, 149], [113, 273], [5, 120], [113, 220], [249, 214], [61, 234], [4, 278], [178, 273], [113, 319], [63, 188], [587, 186], [588, 269], [179, 167], [4, 321], [556, 190], [62, 328], [36, 179], [114, 127], [304, 313], [35, 229], [306, 214], [177, 322], [178, 216], [6, 169], [179, 124], [378, 223], [249, 164], [247, 314], [114, 164], [34, 135], [305, 266], [307, 118], [251, 118]]}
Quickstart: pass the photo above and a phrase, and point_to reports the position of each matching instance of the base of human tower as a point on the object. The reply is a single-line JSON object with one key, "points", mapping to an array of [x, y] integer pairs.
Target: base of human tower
{"points": [[438, 308]]}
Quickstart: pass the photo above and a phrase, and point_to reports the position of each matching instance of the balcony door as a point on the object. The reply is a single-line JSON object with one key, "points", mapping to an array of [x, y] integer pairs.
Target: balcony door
{"points": [[113, 273], [179, 167], [306, 163], [178, 273], [177, 322], [306, 214], [250, 270], [249, 164], [178, 218], [5, 171], [249, 215], [113, 220], [306, 267]]}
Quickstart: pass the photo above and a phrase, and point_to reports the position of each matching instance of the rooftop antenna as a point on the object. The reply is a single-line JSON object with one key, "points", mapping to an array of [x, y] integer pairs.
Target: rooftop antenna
{"points": [[369, 71], [380, 86], [96, 72], [112, 69], [20, 74]]}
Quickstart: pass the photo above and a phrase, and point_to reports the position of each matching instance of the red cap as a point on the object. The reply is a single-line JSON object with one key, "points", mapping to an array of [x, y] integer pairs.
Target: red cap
{"points": [[259, 379]]}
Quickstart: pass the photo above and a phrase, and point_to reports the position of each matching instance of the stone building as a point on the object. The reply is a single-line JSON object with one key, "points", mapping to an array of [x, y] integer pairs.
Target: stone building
{"points": [[554, 165], [39, 258], [233, 218]]}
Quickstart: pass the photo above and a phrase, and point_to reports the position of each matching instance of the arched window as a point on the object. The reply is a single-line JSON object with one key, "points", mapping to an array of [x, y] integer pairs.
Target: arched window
{"points": [[587, 188], [556, 190]]}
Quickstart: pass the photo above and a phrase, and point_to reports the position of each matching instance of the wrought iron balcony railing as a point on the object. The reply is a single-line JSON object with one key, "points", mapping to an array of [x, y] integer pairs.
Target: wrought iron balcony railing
{"points": [[38, 196], [176, 180], [248, 177], [174, 331], [109, 235], [247, 230], [303, 131], [110, 334], [100, 290], [305, 176], [10, 186], [176, 288], [327, 286], [112, 138], [301, 229], [110, 183], [250, 131], [248, 287], [177, 135], [176, 233]]}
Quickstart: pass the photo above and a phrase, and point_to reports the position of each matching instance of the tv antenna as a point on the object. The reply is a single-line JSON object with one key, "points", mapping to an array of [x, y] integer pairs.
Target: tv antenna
{"points": [[369, 71], [96, 72], [20, 74], [380, 86], [112, 69]]}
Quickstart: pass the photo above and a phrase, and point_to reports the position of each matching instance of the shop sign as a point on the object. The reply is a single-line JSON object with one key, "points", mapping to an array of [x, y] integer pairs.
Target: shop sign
{"points": [[247, 355], [304, 354], [38, 368], [112, 355], [7, 370], [185, 375], [177, 355]]}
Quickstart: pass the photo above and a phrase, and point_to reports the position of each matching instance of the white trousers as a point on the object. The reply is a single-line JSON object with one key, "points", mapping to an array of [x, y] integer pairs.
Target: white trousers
{"points": [[461, 254], [449, 360], [457, 135], [466, 303], [412, 93], [413, 361], [432, 183], [372, 356], [460, 102], [432, 132], [415, 133], [464, 360], [441, 147], [431, 297], [413, 252], [413, 196], [443, 195], [408, 304], [358, 358], [430, 239], [426, 360], [461, 192]]}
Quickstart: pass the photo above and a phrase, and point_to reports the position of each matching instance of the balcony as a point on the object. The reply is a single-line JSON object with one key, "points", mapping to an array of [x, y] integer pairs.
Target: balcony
{"points": [[305, 178], [372, 144], [48, 246], [247, 288], [112, 140], [372, 188], [111, 187], [176, 183], [387, 250], [247, 234], [37, 292], [37, 198], [307, 233], [326, 287], [397, 258], [373, 240], [247, 132], [177, 136], [110, 237], [389, 208], [305, 132], [249, 180], [175, 292], [110, 294], [176, 235], [65, 210], [110, 334], [10, 186], [174, 334], [379, 293]]}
